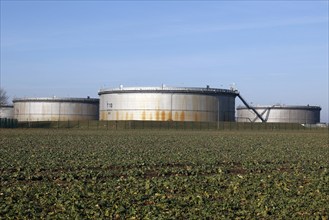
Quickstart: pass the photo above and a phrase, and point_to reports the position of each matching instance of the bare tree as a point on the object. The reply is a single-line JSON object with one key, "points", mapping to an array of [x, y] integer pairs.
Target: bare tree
{"points": [[3, 97]]}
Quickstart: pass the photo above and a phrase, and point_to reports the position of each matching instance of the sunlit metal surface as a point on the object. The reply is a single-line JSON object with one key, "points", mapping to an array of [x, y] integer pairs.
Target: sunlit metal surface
{"points": [[56, 109], [167, 104], [7, 111], [280, 113]]}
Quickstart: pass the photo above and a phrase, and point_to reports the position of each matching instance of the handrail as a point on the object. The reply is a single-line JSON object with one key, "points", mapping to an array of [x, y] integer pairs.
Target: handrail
{"points": [[250, 107]]}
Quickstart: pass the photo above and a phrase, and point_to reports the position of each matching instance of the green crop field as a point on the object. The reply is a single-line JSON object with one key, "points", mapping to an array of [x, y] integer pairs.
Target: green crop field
{"points": [[163, 174]]}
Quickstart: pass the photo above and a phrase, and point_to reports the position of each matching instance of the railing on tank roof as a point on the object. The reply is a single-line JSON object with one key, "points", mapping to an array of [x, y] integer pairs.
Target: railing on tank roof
{"points": [[56, 99], [186, 89], [281, 106]]}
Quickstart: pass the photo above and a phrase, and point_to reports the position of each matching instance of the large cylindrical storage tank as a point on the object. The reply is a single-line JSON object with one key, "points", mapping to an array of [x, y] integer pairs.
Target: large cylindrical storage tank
{"points": [[7, 111], [281, 114], [167, 104], [56, 109]]}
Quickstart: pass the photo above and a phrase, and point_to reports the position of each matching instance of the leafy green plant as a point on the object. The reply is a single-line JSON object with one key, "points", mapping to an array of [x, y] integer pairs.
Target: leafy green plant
{"points": [[135, 174]]}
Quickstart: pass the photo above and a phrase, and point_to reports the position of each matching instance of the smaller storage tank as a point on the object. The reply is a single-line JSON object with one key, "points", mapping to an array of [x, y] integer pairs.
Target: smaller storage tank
{"points": [[281, 114], [56, 109], [7, 111]]}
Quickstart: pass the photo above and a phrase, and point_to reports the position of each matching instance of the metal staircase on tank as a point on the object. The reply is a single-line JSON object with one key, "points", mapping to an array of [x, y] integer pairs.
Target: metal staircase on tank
{"points": [[252, 108]]}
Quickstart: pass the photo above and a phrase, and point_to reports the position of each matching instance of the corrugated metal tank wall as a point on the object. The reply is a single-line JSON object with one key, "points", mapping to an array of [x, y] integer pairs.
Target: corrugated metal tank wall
{"points": [[56, 109], [172, 104], [281, 114], [7, 111]]}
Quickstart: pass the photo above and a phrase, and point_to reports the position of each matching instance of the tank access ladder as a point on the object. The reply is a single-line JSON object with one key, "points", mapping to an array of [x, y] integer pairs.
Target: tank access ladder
{"points": [[250, 107]]}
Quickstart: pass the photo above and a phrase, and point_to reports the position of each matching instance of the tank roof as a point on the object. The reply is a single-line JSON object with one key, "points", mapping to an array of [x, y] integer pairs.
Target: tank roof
{"points": [[300, 107], [57, 99], [164, 89]]}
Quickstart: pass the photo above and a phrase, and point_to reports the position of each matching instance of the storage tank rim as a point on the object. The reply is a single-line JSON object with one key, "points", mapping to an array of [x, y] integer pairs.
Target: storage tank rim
{"points": [[185, 90], [296, 107], [80, 100]]}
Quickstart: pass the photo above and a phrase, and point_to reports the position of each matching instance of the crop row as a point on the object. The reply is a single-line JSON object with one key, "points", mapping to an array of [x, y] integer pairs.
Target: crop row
{"points": [[67, 174]]}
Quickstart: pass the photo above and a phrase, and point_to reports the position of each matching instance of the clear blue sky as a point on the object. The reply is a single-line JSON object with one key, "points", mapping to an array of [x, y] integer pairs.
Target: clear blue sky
{"points": [[274, 51]]}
